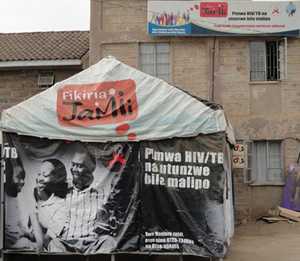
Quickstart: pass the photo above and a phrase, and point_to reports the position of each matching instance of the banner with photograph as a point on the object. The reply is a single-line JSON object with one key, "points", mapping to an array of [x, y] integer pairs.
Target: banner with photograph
{"points": [[152, 196], [221, 18], [70, 197]]}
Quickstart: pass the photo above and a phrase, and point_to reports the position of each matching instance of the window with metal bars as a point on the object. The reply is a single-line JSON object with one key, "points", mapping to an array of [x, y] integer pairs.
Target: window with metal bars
{"points": [[264, 163], [272, 53], [268, 60], [155, 59]]}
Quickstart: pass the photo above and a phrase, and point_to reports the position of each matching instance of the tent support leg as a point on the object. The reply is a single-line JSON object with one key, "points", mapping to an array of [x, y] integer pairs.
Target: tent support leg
{"points": [[112, 258]]}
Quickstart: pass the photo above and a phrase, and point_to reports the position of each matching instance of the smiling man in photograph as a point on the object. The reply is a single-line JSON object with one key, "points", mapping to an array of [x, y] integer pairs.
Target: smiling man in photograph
{"points": [[82, 203]]}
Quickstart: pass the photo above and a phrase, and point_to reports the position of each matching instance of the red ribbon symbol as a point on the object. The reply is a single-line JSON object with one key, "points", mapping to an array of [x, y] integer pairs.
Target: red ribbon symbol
{"points": [[117, 158]]}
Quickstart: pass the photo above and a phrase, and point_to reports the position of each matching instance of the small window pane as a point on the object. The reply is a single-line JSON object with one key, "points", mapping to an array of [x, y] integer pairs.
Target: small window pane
{"points": [[274, 161], [274, 155], [162, 69], [162, 48], [163, 58], [148, 59], [147, 49], [274, 147], [274, 175]]}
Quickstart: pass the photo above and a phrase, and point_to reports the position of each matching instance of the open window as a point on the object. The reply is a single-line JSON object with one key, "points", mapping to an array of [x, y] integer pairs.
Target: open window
{"points": [[268, 60]]}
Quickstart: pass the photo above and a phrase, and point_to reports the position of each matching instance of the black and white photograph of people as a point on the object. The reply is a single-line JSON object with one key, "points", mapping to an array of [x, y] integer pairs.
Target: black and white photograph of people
{"points": [[78, 233], [70, 215], [50, 193], [18, 232]]}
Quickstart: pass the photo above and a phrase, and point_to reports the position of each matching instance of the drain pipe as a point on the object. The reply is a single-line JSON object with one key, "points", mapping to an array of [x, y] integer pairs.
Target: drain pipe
{"points": [[212, 70]]}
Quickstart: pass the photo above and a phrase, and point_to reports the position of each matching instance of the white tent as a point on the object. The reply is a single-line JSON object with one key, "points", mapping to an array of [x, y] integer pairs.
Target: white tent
{"points": [[160, 110], [113, 102]]}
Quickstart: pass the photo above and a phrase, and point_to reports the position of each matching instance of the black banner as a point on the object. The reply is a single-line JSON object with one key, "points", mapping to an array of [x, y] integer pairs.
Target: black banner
{"points": [[182, 199], [151, 196]]}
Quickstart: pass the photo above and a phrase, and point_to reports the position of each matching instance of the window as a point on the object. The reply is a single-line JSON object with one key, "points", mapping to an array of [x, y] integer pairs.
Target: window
{"points": [[155, 59], [268, 60], [264, 163], [45, 79]]}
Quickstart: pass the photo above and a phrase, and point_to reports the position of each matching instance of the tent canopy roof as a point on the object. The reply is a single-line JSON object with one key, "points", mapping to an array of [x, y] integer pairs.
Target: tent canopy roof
{"points": [[111, 101]]}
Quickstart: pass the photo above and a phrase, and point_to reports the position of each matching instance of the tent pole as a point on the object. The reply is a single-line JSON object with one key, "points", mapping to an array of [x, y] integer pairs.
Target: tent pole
{"points": [[1, 199]]}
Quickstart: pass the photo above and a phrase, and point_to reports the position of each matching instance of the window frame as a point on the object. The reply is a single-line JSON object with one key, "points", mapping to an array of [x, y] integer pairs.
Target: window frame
{"points": [[250, 174], [280, 63], [156, 63], [45, 74]]}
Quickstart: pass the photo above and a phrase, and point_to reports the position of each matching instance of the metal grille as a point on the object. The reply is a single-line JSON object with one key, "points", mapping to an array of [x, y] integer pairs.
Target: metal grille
{"points": [[272, 60]]}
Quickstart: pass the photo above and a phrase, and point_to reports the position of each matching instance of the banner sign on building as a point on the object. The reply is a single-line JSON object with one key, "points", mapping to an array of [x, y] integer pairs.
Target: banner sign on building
{"points": [[220, 18], [164, 196]]}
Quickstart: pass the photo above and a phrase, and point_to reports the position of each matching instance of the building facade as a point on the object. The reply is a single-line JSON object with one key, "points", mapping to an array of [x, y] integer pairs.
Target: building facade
{"points": [[255, 78]]}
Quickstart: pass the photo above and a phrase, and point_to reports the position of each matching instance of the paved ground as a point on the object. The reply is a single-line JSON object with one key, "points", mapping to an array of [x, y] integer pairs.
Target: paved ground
{"points": [[266, 242]]}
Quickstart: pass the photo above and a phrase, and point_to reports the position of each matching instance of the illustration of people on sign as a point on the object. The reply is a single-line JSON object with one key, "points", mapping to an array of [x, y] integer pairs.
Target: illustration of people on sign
{"points": [[291, 9], [166, 19]]}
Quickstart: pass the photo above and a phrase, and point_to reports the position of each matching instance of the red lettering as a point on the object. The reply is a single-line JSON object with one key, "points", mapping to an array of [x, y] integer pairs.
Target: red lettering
{"points": [[99, 103]]}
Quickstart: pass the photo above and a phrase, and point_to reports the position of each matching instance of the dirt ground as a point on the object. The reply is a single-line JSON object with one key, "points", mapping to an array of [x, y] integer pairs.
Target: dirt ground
{"points": [[265, 242], [252, 242]]}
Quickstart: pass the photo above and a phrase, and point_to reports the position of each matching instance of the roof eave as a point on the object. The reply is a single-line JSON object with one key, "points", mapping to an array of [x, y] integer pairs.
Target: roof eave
{"points": [[39, 63]]}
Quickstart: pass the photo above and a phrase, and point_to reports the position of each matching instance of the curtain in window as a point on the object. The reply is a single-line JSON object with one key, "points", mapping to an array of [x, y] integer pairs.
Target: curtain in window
{"points": [[266, 167]]}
